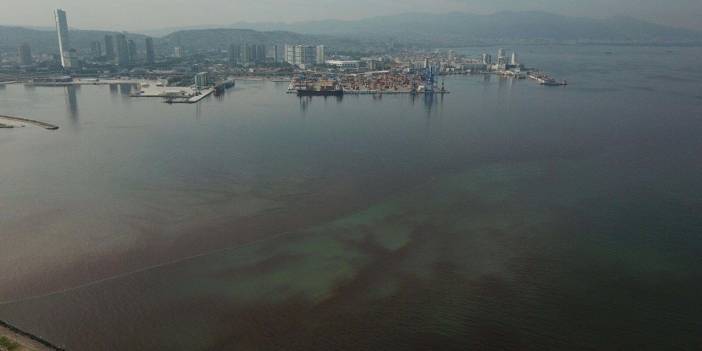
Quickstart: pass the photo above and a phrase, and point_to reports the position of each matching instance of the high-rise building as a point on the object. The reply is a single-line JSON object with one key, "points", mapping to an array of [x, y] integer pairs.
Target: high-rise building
{"points": [[487, 59], [201, 80], [301, 55], [320, 55], [63, 38], [278, 54], [253, 54], [247, 52], [234, 54], [178, 52], [514, 60], [150, 52], [122, 55], [25, 54], [501, 58], [109, 47], [96, 49], [289, 54], [131, 45], [260, 55]]}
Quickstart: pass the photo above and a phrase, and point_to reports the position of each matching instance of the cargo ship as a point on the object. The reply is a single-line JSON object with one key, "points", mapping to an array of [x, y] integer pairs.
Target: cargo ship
{"points": [[323, 87]]}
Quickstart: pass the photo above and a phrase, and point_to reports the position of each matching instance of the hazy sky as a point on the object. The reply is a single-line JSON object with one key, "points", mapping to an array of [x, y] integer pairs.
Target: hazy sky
{"points": [[151, 14]]}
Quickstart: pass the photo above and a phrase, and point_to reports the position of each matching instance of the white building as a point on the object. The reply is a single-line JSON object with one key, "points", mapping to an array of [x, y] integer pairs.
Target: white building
{"points": [[201, 80], [304, 55], [349, 64]]}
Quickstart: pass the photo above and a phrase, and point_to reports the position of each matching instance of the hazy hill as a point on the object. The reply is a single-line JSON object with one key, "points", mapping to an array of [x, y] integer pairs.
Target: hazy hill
{"points": [[463, 28], [46, 41], [221, 38]]}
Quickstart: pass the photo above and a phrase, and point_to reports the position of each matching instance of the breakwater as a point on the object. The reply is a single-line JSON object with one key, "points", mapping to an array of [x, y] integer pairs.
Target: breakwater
{"points": [[41, 124], [25, 336]]}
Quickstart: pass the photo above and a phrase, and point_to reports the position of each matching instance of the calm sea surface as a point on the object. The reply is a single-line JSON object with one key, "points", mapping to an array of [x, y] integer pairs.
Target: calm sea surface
{"points": [[505, 215]]}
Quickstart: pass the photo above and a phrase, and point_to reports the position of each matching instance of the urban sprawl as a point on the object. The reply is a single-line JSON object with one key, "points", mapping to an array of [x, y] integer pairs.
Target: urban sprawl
{"points": [[178, 75]]}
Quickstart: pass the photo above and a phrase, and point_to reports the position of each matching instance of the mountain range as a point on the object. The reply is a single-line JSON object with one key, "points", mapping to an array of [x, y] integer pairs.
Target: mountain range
{"points": [[412, 29], [465, 27]]}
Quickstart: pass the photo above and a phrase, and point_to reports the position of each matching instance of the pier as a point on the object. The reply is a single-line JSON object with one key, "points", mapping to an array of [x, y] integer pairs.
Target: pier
{"points": [[41, 124], [190, 99]]}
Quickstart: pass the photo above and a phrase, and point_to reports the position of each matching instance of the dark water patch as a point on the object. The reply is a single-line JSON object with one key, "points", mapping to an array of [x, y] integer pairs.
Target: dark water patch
{"points": [[265, 266]]}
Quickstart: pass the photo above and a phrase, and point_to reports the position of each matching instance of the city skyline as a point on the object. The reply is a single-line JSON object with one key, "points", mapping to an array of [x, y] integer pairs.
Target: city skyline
{"points": [[121, 16]]}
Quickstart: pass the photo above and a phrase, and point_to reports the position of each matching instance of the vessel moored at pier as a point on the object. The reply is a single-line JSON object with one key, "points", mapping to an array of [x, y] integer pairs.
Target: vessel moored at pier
{"points": [[323, 87]]}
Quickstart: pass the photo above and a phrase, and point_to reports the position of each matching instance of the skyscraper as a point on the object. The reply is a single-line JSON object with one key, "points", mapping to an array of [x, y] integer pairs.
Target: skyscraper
{"points": [[234, 54], [278, 54], [321, 56], [63, 39], [501, 58], [178, 52], [150, 54], [25, 54], [514, 60], [109, 47], [96, 48], [260, 54], [131, 45], [487, 59], [301, 55], [247, 53], [122, 57]]}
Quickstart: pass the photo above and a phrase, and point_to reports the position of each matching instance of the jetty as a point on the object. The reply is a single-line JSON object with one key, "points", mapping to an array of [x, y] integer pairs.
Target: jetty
{"points": [[189, 99], [41, 124]]}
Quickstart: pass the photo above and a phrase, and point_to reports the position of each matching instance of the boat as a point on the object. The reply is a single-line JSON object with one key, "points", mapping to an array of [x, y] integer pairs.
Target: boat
{"points": [[552, 82], [323, 87]]}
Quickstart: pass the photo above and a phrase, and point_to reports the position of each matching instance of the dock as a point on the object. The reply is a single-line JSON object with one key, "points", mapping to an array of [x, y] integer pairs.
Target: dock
{"points": [[41, 124], [190, 99]]}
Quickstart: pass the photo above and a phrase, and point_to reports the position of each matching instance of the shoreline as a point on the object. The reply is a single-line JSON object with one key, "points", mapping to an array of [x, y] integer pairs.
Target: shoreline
{"points": [[26, 341]]}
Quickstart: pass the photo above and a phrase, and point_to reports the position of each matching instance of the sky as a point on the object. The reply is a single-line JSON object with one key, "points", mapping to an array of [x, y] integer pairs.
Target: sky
{"points": [[135, 15]]}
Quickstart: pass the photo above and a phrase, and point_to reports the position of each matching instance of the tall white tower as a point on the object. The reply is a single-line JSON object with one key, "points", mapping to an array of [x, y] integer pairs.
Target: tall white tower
{"points": [[63, 39], [514, 60]]}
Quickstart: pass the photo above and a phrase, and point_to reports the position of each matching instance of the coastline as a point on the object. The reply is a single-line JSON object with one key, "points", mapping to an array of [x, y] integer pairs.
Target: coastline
{"points": [[26, 341]]}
